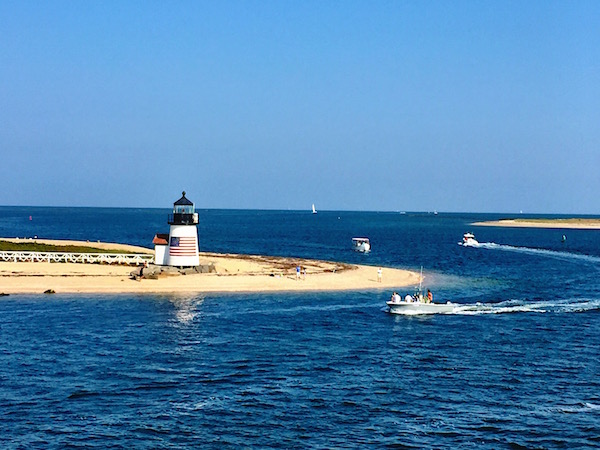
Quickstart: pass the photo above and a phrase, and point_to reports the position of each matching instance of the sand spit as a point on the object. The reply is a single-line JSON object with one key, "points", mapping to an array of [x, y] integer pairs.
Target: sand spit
{"points": [[233, 273], [583, 224]]}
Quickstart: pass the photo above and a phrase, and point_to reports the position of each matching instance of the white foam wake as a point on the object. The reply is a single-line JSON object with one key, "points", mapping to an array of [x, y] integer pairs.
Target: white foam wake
{"points": [[519, 306], [538, 252]]}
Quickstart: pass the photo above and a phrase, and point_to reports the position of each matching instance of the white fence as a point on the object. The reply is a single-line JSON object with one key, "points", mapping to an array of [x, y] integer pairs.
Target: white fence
{"points": [[82, 258]]}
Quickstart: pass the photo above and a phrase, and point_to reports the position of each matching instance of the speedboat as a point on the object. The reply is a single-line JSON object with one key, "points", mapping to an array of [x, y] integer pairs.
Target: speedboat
{"points": [[418, 307], [418, 303], [469, 240], [362, 245]]}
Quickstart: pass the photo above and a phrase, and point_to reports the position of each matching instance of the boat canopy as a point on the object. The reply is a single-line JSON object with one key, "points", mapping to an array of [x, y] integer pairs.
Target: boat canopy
{"points": [[360, 239]]}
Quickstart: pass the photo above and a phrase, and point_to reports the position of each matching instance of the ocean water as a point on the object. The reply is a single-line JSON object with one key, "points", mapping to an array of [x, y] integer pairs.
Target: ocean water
{"points": [[517, 366]]}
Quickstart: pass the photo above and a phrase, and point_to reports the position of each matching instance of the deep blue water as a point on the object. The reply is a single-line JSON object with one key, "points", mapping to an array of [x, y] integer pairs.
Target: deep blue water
{"points": [[518, 368]]}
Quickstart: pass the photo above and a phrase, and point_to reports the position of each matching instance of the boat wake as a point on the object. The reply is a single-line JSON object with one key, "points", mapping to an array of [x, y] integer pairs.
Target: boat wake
{"points": [[538, 252], [575, 305], [582, 407]]}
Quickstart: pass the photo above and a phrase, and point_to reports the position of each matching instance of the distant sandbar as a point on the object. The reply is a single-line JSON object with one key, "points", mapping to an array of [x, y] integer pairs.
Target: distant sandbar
{"points": [[583, 224]]}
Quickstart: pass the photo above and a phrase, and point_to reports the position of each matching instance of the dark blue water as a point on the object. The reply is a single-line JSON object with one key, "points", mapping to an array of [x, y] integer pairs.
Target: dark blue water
{"points": [[519, 367]]}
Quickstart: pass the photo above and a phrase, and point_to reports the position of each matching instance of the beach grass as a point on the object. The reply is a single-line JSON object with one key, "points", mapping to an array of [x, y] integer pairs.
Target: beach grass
{"points": [[8, 246]]}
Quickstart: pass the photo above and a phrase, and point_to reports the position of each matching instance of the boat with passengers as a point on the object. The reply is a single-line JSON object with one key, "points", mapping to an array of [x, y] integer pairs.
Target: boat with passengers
{"points": [[362, 245], [418, 303]]}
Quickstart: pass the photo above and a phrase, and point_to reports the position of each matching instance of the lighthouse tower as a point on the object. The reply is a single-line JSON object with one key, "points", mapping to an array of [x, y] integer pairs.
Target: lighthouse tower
{"points": [[183, 236]]}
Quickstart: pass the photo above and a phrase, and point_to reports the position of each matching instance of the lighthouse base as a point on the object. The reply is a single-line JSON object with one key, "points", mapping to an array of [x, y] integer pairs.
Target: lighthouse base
{"points": [[153, 271]]}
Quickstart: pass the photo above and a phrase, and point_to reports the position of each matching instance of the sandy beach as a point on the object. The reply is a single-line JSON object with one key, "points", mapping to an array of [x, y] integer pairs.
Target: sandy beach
{"points": [[234, 273], [583, 224]]}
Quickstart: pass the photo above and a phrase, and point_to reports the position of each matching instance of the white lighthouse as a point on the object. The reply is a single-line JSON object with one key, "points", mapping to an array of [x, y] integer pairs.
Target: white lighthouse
{"points": [[182, 248]]}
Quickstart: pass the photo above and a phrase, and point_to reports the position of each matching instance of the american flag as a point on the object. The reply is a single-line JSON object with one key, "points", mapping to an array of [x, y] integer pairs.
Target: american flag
{"points": [[182, 246]]}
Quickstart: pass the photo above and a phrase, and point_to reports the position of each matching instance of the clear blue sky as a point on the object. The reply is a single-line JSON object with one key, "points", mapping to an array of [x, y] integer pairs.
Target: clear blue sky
{"points": [[485, 106]]}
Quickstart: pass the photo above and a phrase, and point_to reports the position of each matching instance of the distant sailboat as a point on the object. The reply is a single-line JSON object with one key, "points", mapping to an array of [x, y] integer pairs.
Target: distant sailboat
{"points": [[314, 211]]}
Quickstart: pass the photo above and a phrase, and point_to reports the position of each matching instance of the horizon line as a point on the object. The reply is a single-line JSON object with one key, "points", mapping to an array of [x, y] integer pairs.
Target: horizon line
{"points": [[308, 211]]}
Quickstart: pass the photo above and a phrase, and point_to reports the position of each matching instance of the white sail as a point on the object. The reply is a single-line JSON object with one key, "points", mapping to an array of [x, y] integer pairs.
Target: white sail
{"points": [[313, 209]]}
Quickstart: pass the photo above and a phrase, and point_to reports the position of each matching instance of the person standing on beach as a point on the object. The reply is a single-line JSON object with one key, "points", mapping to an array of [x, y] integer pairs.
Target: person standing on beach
{"points": [[379, 275], [297, 272]]}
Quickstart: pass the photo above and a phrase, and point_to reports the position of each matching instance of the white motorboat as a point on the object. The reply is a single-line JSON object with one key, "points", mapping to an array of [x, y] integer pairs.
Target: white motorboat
{"points": [[469, 240], [362, 245], [418, 303], [410, 305]]}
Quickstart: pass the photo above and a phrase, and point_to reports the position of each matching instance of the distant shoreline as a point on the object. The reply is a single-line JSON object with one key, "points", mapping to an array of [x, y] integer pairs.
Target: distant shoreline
{"points": [[581, 224]]}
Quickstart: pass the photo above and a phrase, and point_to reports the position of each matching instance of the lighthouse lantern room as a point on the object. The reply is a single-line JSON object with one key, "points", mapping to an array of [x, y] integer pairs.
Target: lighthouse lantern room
{"points": [[183, 236]]}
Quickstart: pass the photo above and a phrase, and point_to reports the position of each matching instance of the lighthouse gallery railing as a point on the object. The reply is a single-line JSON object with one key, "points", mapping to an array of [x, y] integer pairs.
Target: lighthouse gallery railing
{"points": [[131, 259]]}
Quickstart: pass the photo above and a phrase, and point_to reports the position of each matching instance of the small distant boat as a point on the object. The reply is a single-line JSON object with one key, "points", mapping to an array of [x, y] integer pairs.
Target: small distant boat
{"points": [[314, 211], [469, 240], [362, 245]]}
